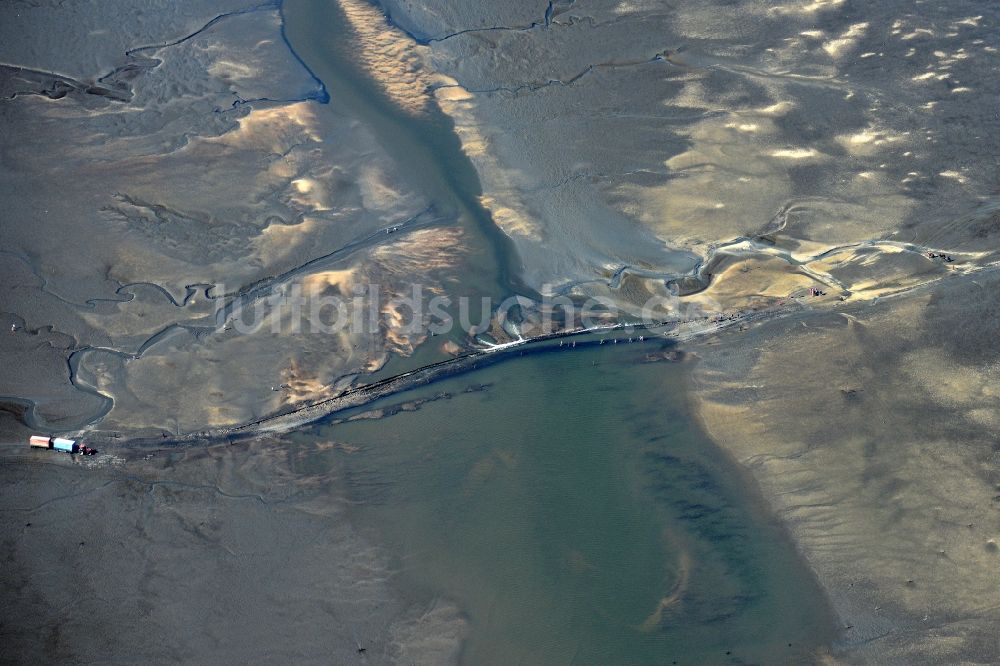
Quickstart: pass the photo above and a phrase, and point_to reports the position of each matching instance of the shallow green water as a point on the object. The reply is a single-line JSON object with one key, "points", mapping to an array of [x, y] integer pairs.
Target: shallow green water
{"points": [[560, 505]]}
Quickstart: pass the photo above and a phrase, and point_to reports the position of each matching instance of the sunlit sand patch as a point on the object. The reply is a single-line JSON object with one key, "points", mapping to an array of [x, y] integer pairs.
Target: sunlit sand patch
{"points": [[376, 362], [796, 153], [837, 48], [500, 185], [310, 194], [300, 384], [747, 276], [237, 207], [342, 281], [868, 141], [401, 336], [230, 70], [724, 186], [687, 213], [802, 250], [870, 272], [796, 57], [513, 222], [275, 128], [967, 388], [732, 157], [972, 21], [806, 7], [756, 280], [861, 208], [220, 414], [899, 26], [301, 352], [377, 191], [395, 61], [278, 240], [451, 91], [740, 167], [285, 170], [426, 249], [947, 59], [421, 252], [636, 6], [635, 292], [777, 109], [474, 143], [693, 95], [706, 21]]}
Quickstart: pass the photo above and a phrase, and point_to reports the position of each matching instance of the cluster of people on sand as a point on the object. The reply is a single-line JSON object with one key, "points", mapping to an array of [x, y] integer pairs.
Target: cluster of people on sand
{"points": [[724, 317], [940, 255]]}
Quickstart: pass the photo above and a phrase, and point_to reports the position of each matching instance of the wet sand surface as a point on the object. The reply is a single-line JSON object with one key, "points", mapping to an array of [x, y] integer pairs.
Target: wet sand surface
{"points": [[219, 178], [483, 522], [873, 433], [811, 126], [216, 553], [809, 186]]}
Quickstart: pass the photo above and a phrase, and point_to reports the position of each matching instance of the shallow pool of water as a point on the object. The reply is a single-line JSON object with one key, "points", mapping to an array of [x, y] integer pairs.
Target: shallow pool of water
{"points": [[567, 502]]}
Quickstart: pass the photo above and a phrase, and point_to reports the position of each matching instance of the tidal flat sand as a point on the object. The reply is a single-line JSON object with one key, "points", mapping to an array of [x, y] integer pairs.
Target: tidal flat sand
{"points": [[229, 554], [872, 432], [814, 179], [523, 515]]}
